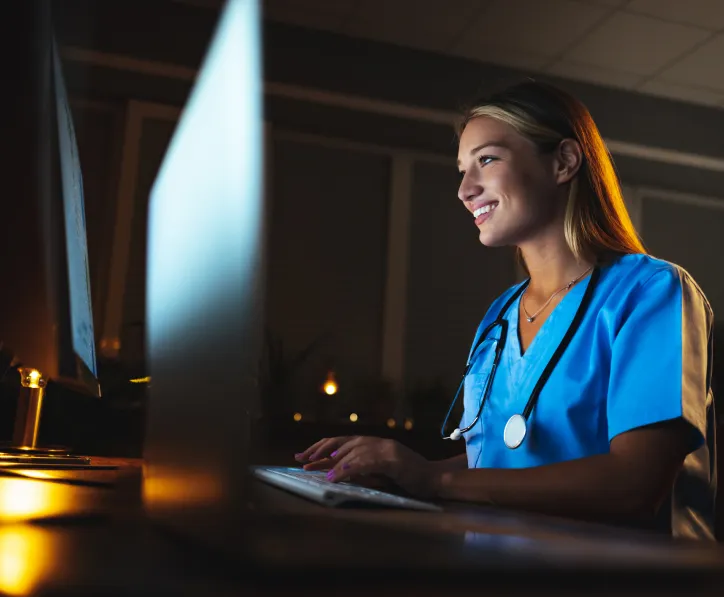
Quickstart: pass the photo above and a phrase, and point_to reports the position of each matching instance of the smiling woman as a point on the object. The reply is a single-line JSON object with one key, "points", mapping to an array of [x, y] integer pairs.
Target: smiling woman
{"points": [[522, 125], [587, 389]]}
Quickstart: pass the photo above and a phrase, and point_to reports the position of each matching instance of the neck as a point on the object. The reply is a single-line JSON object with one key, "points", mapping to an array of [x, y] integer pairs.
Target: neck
{"points": [[551, 263]]}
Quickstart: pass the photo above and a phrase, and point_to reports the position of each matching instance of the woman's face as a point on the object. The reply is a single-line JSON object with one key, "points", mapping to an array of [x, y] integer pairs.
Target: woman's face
{"points": [[509, 187]]}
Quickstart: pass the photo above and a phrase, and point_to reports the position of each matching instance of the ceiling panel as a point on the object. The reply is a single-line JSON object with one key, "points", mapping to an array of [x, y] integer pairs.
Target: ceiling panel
{"points": [[339, 7], [593, 74], [684, 93], [428, 24], [518, 59], [610, 3], [708, 14], [584, 40], [636, 44], [545, 28], [703, 67], [319, 14]]}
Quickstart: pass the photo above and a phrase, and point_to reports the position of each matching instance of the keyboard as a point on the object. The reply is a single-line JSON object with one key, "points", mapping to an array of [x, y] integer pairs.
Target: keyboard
{"points": [[315, 486]]}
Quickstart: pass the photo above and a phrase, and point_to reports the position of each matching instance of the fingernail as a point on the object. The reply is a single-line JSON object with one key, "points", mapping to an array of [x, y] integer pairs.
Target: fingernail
{"points": [[330, 476], [345, 466], [312, 457], [333, 454], [299, 456]]}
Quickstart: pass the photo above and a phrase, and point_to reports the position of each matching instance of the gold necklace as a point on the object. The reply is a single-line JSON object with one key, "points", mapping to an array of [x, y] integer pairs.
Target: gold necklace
{"points": [[531, 318]]}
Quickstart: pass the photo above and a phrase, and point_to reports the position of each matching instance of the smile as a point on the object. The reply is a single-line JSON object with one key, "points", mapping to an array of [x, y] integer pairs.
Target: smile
{"points": [[485, 209]]}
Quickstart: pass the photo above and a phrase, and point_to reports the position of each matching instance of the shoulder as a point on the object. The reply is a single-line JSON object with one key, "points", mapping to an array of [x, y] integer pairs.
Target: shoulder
{"points": [[638, 278]]}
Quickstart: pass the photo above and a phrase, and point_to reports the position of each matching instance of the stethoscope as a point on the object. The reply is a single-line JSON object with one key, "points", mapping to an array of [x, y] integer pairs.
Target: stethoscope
{"points": [[517, 426]]}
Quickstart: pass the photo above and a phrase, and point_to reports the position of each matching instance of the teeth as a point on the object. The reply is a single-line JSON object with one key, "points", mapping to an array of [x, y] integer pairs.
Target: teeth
{"points": [[485, 209]]}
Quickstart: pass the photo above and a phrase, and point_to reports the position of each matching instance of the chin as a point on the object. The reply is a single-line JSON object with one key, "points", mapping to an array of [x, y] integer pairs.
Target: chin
{"points": [[492, 240]]}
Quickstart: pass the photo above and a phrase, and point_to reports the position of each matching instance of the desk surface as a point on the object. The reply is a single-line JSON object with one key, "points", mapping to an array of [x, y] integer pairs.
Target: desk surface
{"points": [[83, 532]]}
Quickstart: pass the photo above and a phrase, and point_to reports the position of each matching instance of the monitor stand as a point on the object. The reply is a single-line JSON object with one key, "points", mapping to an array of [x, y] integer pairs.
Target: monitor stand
{"points": [[24, 450]]}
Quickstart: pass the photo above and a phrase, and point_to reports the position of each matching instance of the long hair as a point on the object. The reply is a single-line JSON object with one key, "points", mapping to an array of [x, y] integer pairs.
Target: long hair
{"points": [[596, 219]]}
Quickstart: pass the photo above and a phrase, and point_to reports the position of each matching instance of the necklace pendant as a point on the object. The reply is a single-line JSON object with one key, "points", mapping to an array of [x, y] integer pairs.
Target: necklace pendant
{"points": [[530, 319]]}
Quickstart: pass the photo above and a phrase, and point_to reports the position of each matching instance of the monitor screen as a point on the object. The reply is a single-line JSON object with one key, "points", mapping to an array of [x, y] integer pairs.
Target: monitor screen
{"points": [[79, 294], [204, 291], [46, 321]]}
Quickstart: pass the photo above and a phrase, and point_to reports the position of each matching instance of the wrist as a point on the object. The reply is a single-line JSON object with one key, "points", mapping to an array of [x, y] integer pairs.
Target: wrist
{"points": [[435, 480]]}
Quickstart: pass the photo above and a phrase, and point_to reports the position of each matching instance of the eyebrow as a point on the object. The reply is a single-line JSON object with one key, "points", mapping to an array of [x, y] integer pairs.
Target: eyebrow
{"points": [[475, 150]]}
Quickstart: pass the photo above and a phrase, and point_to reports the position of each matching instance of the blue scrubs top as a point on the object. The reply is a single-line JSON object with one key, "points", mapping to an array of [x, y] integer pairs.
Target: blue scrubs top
{"points": [[641, 355]]}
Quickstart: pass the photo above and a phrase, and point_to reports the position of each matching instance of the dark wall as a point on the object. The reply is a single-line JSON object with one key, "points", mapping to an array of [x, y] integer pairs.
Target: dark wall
{"points": [[327, 258], [452, 280]]}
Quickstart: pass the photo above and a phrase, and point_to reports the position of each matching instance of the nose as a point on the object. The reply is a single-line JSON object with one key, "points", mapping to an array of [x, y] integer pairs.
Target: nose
{"points": [[469, 188]]}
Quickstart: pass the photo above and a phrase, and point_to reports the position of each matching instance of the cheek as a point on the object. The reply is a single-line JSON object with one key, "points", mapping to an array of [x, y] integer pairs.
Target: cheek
{"points": [[515, 190], [531, 191]]}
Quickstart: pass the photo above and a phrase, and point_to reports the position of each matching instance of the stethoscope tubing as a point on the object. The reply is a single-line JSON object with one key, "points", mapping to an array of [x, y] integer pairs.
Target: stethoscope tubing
{"points": [[550, 366]]}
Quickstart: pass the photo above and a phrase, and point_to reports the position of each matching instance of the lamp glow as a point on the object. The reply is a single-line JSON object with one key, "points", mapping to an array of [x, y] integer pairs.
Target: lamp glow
{"points": [[297, 417], [31, 378], [353, 417], [330, 385], [408, 424], [391, 423]]}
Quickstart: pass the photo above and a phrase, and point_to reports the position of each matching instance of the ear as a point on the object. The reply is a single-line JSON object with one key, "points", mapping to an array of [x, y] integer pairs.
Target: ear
{"points": [[568, 158]]}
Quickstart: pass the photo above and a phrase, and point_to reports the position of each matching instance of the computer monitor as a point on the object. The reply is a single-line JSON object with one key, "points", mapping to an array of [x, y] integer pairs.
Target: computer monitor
{"points": [[204, 292], [45, 303]]}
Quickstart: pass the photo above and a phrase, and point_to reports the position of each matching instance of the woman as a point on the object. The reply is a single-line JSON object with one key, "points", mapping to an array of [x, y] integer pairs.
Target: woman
{"points": [[599, 405]]}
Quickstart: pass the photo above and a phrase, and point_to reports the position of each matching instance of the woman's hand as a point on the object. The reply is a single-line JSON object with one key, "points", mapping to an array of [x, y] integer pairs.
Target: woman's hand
{"points": [[320, 452], [347, 457]]}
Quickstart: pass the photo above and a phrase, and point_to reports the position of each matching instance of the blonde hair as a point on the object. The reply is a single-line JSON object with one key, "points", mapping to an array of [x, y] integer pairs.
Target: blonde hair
{"points": [[596, 219]]}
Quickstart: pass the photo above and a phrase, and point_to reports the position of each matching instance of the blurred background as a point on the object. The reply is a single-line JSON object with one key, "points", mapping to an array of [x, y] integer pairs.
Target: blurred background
{"points": [[376, 281]]}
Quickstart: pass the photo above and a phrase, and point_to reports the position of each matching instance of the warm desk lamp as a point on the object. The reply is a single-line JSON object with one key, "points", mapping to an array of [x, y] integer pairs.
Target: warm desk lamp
{"points": [[25, 449], [30, 404]]}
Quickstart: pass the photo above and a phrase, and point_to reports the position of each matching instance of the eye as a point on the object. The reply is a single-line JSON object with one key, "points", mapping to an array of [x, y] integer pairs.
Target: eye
{"points": [[484, 160]]}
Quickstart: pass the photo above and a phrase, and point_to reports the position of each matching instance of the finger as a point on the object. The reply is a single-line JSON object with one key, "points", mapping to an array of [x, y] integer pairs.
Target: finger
{"points": [[348, 446], [323, 448], [312, 450], [319, 465], [304, 456], [357, 462]]}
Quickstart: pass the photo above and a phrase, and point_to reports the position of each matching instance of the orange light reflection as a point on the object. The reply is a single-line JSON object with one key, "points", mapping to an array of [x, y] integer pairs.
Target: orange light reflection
{"points": [[24, 559], [25, 498], [165, 486]]}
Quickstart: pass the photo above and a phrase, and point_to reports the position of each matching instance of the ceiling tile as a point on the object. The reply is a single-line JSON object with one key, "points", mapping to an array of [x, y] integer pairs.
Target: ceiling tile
{"points": [[545, 28], [320, 14], [518, 59], [428, 24], [611, 3], [593, 74], [215, 4], [708, 14], [338, 7], [703, 67], [636, 44], [682, 92]]}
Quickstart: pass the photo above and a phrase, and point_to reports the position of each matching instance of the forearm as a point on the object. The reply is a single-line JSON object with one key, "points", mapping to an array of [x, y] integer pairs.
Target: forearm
{"points": [[597, 486], [456, 463]]}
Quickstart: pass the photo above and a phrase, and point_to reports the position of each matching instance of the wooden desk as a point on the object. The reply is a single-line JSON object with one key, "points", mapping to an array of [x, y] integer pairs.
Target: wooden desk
{"points": [[550, 540], [96, 540]]}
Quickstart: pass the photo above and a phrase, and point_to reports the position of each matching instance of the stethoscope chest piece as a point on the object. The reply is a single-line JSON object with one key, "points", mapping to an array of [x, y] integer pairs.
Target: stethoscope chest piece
{"points": [[514, 432]]}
